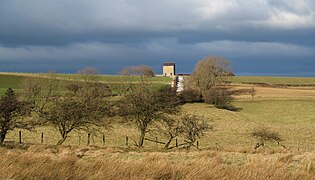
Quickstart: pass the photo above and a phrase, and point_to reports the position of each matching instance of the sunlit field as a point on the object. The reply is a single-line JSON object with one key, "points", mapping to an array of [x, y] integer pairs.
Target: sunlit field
{"points": [[226, 152]]}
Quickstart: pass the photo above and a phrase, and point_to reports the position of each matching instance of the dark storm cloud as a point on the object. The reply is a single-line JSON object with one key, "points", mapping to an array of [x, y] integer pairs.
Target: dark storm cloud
{"points": [[65, 35]]}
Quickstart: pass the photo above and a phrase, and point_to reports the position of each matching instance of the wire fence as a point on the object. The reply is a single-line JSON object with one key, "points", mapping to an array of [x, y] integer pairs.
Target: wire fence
{"points": [[105, 140]]}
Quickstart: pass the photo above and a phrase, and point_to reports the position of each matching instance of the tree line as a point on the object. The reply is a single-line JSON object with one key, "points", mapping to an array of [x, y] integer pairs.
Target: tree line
{"points": [[88, 105]]}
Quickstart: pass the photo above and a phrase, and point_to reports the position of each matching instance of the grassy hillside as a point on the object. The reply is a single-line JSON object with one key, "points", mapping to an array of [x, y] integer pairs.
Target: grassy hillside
{"points": [[272, 80], [293, 119], [7, 81], [225, 153], [14, 80]]}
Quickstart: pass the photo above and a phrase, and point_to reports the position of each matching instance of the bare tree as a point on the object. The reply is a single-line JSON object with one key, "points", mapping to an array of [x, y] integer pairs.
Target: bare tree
{"points": [[69, 114], [146, 107], [141, 70], [264, 134], [39, 91], [209, 73], [85, 108], [208, 78], [89, 74], [12, 114], [168, 127], [193, 128], [131, 77]]}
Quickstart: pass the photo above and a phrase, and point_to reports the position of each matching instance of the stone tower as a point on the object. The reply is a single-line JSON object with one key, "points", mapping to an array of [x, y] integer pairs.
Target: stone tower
{"points": [[169, 69]]}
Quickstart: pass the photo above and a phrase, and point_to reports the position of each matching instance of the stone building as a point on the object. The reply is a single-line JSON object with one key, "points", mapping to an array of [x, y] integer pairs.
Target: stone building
{"points": [[169, 69]]}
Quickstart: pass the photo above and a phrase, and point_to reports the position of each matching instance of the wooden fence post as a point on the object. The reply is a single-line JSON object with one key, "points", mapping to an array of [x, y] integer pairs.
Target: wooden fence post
{"points": [[89, 136], [103, 140], [176, 142], [197, 144], [20, 137], [126, 140], [79, 140], [42, 138]]}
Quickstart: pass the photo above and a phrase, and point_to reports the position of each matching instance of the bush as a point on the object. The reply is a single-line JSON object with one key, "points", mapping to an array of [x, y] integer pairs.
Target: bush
{"points": [[190, 96], [265, 134], [219, 97]]}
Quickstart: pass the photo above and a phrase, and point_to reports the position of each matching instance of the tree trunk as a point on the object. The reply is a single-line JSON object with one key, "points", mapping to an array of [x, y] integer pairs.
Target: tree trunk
{"points": [[168, 142], [141, 139], [62, 140], [2, 136]]}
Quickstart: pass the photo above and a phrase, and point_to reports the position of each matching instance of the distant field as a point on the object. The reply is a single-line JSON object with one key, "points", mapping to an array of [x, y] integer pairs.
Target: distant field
{"points": [[273, 80], [117, 78], [14, 80]]}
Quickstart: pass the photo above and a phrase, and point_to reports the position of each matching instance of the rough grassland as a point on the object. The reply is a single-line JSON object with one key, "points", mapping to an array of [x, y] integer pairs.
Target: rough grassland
{"points": [[293, 119], [226, 153], [89, 163]]}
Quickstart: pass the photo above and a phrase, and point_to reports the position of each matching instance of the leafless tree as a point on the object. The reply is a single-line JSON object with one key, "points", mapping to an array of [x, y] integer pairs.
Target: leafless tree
{"points": [[89, 74], [146, 106], [70, 113], [39, 90], [209, 73], [208, 78], [141, 70], [193, 128], [85, 107], [264, 134]]}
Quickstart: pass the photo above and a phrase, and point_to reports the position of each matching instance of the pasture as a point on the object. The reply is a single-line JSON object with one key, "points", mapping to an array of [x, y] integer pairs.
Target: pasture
{"points": [[226, 152], [271, 80], [293, 119], [14, 80], [288, 110]]}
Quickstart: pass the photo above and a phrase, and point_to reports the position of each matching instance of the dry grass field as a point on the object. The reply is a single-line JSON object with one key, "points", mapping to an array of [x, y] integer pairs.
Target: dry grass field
{"points": [[306, 92], [44, 162]]}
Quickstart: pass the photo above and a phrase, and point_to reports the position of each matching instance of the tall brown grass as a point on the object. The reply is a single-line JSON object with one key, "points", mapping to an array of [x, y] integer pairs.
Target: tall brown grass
{"points": [[43, 162]]}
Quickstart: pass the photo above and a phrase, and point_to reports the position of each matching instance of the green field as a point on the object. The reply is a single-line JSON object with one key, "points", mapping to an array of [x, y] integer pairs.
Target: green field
{"points": [[14, 80], [272, 80], [293, 119], [227, 152]]}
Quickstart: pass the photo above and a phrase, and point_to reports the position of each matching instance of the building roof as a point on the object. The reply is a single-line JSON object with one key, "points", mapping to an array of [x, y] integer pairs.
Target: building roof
{"points": [[168, 64]]}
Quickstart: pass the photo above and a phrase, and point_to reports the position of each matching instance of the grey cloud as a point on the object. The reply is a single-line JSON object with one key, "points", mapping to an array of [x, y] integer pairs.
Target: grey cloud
{"points": [[155, 52], [64, 21], [67, 34]]}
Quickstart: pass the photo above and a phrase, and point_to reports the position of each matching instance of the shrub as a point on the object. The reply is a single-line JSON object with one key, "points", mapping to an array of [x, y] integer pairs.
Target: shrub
{"points": [[190, 96], [265, 134], [219, 97]]}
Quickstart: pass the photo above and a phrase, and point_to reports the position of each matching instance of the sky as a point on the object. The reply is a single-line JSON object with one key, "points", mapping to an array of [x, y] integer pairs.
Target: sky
{"points": [[258, 37]]}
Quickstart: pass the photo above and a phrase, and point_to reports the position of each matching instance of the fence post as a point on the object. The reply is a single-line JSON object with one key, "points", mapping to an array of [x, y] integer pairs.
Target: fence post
{"points": [[79, 140], [197, 144], [89, 136], [20, 137], [176, 142], [103, 140], [42, 138], [126, 140]]}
